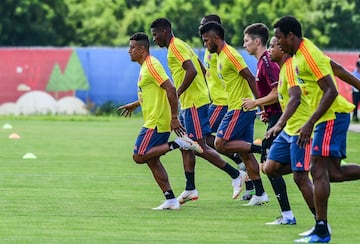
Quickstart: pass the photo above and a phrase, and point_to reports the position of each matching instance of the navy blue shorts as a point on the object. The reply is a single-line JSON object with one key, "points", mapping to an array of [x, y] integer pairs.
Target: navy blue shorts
{"points": [[149, 138]]}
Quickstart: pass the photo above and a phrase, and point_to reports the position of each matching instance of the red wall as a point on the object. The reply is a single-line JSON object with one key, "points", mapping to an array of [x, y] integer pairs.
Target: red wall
{"points": [[348, 60]]}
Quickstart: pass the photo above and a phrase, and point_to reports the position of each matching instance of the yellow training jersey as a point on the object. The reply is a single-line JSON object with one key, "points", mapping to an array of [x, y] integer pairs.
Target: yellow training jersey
{"points": [[216, 87], [287, 80], [229, 64], [197, 93], [154, 102], [312, 65]]}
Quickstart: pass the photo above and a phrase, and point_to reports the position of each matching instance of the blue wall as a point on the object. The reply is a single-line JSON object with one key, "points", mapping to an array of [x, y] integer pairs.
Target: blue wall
{"points": [[113, 77]]}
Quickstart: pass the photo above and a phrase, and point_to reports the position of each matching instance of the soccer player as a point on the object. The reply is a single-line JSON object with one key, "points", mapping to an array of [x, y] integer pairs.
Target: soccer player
{"points": [[189, 81], [329, 120], [256, 37], [236, 131], [218, 96], [356, 92], [158, 99], [285, 154]]}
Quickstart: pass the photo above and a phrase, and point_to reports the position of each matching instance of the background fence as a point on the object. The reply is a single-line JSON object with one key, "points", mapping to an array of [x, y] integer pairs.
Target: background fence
{"points": [[75, 80]]}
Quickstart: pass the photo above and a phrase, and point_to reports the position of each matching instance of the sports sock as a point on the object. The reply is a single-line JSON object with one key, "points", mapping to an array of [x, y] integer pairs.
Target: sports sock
{"points": [[190, 181], [279, 186], [169, 194], [234, 173], [236, 158], [321, 228], [249, 185], [287, 214], [173, 145], [259, 188], [255, 148]]}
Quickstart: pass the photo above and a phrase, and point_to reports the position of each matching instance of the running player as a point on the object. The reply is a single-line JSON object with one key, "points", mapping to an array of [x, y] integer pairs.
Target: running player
{"points": [[160, 116], [329, 120], [236, 131]]}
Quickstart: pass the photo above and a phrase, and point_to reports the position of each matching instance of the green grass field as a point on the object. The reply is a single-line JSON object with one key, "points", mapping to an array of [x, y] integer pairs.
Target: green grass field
{"points": [[84, 188]]}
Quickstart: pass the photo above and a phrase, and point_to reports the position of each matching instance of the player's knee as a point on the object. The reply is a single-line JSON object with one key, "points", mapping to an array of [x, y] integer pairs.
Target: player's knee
{"points": [[300, 178], [138, 159], [219, 145]]}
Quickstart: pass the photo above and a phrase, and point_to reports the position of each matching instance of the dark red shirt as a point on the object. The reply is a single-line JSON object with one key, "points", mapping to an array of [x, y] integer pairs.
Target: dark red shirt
{"points": [[267, 76]]}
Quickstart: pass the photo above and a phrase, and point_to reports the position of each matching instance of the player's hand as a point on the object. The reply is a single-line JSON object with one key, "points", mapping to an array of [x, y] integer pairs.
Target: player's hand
{"points": [[305, 134], [177, 127], [263, 116], [248, 103], [127, 109], [273, 131]]}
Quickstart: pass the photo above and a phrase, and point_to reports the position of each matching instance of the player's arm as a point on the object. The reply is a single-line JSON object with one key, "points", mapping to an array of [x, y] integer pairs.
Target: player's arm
{"points": [[190, 73], [173, 101], [329, 94], [127, 109], [202, 67], [271, 98], [249, 77], [294, 102], [344, 75]]}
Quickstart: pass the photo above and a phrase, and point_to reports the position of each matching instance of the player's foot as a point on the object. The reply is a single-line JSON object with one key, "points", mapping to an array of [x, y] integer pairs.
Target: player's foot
{"points": [[186, 196], [258, 200], [186, 143], [309, 232], [283, 221], [172, 204], [248, 194], [313, 238], [238, 184]]}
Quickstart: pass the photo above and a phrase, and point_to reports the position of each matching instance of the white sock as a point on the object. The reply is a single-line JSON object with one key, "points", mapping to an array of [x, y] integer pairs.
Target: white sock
{"points": [[287, 214]]}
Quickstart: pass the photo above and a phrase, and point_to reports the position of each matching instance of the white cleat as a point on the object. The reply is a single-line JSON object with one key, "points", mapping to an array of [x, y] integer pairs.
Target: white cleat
{"points": [[283, 221], [186, 196], [258, 200], [309, 232], [186, 143], [172, 204], [238, 184]]}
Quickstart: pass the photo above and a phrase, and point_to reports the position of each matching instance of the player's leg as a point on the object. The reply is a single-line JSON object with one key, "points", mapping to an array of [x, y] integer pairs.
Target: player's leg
{"points": [[321, 182], [161, 177], [337, 149], [190, 193], [188, 157], [300, 165], [198, 127], [216, 114], [280, 152], [235, 131], [146, 140], [149, 148]]}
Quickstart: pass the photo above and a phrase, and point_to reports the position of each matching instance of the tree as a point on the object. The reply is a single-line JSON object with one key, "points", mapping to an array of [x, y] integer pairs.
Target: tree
{"points": [[34, 23]]}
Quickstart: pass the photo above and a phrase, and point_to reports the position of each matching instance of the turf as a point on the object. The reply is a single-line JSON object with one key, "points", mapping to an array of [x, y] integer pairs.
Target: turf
{"points": [[84, 188]]}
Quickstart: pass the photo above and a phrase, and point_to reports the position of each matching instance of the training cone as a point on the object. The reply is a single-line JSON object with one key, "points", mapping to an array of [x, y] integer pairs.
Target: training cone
{"points": [[14, 136], [7, 126], [29, 156]]}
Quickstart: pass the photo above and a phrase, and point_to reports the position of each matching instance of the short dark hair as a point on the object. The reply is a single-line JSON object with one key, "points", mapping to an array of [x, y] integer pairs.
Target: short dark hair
{"points": [[258, 30], [212, 17], [213, 26], [289, 24], [162, 23], [141, 38]]}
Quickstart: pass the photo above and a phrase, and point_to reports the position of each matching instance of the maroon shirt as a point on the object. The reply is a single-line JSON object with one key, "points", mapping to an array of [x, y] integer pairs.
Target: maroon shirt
{"points": [[267, 76]]}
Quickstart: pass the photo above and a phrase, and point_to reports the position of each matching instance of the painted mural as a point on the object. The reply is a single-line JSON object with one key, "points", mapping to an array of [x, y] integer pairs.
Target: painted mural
{"points": [[75, 80]]}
